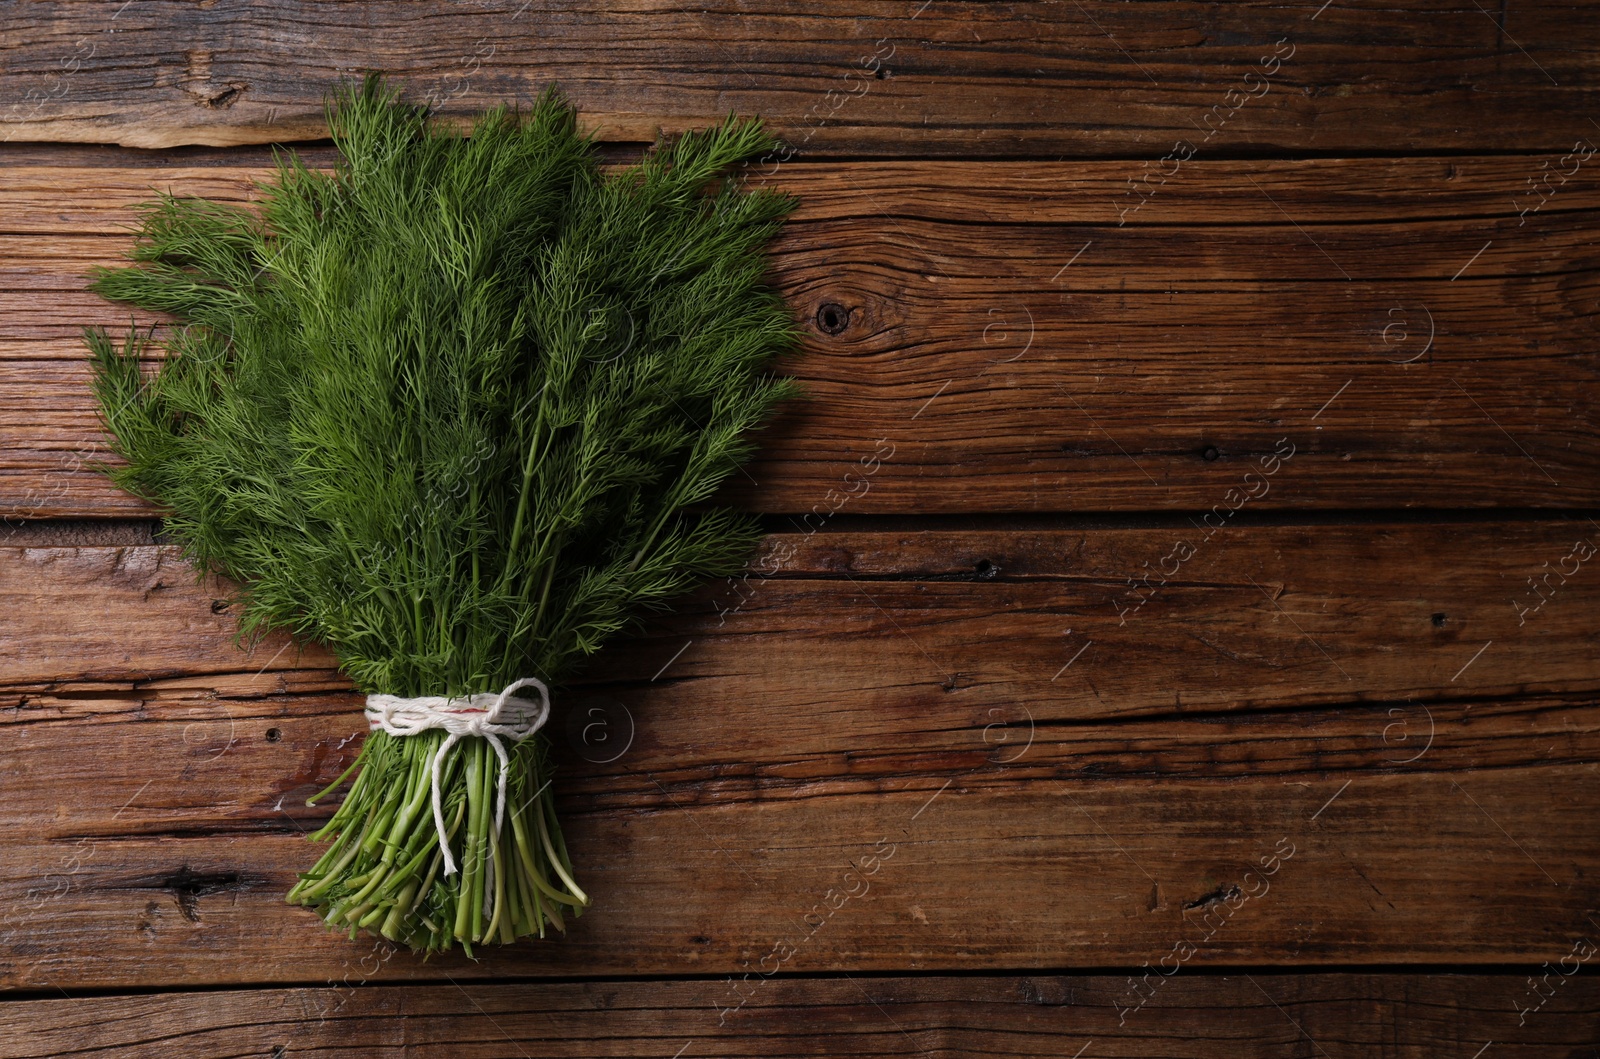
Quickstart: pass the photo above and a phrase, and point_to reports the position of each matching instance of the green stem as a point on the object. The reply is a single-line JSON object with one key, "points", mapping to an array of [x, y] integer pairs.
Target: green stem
{"points": [[466, 869], [336, 784], [555, 862], [528, 464]]}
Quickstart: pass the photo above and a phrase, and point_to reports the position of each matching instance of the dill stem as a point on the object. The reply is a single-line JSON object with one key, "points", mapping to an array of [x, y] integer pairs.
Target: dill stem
{"points": [[530, 854], [419, 779], [555, 862], [528, 465], [336, 784], [544, 592], [395, 920], [498, 860], [416, 616], [480, 853], [467, 870]]}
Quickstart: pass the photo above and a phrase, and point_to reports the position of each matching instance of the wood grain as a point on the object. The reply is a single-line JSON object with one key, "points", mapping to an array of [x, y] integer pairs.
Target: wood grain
{"points": [[880, 78], [1354, 1016], [947, 753], [1075, 872], [1258, 618], [885, 693], [1007, 342]]}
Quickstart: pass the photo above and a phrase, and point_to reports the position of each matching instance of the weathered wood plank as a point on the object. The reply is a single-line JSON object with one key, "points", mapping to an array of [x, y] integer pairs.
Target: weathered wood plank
{"points": [[1256, 617], [1005, 344], [1190, 1017], [1072, 872], [901, 78], [1025, 813]]}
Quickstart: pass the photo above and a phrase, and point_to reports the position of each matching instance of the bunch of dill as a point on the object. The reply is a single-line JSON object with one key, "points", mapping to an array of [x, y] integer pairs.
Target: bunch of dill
{"points": [[454, 410]]}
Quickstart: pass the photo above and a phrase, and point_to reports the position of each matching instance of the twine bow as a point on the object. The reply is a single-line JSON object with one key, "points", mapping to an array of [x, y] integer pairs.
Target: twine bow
{"points": [[494, 717]]}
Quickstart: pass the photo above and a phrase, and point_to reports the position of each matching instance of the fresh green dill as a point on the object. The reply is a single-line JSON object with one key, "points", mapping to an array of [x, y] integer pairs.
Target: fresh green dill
{"points": [[456, 410]]}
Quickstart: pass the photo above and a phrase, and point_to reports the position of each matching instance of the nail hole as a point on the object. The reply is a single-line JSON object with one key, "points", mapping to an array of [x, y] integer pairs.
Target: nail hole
{"points": [[274, 734], [224, 99], [882, 73], [986, 570], [832, 318], [1439, 620], [1210, 453]]}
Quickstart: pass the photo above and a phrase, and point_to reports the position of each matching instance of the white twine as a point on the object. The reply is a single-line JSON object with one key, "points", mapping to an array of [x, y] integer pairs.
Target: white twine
{"points": [[487, 714]]}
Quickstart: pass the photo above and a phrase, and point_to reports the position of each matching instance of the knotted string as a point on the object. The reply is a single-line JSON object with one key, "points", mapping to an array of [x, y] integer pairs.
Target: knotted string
{"points": [[487, 714]]}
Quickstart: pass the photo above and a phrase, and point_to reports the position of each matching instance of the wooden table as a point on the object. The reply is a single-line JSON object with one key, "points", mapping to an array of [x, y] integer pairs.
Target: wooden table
{"points": [[1177, 630]]}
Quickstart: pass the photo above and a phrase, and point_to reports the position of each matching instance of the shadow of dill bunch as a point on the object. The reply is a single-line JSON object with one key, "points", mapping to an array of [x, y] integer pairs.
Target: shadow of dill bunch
{"points": [[454, 409]]}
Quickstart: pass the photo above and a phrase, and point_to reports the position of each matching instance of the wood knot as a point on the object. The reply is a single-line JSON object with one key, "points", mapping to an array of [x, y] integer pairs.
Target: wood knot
{"points": [[832, 318]]}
